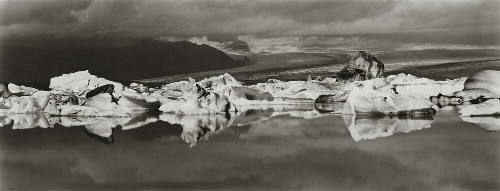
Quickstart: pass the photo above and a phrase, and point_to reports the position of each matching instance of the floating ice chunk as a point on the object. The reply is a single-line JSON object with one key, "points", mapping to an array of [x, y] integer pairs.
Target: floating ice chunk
{"points": [[81, 82], [79, 110], [407, 84], [103, 102], [294, 89], [410, 85], [366, 100], [220, 83], [16, 89], [194, 99], [483, 84], [489, 107], [136, 101], [23, 104]]}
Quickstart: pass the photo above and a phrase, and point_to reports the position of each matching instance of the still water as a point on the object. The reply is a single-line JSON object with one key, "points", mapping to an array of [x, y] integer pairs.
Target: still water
{"points": [[255, 150]]}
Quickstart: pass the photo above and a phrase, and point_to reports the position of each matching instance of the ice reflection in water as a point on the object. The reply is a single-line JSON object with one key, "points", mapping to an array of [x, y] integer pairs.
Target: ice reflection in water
{"points": [[365, 127], [271, 123], [254, 150]]}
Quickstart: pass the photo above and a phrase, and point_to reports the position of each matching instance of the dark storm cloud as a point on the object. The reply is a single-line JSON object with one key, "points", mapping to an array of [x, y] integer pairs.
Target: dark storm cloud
{"points": [[43, 12], [279, 17]]}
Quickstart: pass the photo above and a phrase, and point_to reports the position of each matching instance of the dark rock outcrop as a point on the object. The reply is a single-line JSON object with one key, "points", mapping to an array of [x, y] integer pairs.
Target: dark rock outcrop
{"points": [[363, 66]]}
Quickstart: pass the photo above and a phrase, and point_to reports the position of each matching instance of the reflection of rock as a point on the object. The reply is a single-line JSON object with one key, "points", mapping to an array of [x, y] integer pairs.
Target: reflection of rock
{"points": [[363, 66], [487, 123], [364, 127], [196, 127]]}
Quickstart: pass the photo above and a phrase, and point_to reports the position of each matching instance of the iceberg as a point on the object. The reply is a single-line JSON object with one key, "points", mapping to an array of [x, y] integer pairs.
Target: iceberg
{"points": [[363, 100], [294, 89], [17, 89], [485, 83], [81, 82], [482, 91], [489, 107]]}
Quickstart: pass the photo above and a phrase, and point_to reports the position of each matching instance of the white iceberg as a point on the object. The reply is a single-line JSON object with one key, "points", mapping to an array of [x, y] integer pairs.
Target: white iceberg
{"points": [[16, 89], [81, 82], [489, 107], [367, 100], [407, 84], [294, 89]]}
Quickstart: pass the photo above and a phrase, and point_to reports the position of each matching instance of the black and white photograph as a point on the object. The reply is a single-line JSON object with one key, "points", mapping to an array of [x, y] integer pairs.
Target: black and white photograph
{"points": [[229, 95]]}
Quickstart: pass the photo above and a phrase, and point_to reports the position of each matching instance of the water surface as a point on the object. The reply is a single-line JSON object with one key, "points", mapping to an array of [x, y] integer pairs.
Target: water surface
{"points": [[256, 150]]}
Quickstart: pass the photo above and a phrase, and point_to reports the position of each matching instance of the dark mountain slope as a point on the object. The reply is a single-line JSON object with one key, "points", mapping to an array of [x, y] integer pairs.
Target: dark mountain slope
{"points": [[31, 61]]}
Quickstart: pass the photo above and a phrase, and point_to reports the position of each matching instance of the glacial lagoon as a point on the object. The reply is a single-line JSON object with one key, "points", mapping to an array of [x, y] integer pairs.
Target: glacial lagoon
{"points": [[254, 150]]}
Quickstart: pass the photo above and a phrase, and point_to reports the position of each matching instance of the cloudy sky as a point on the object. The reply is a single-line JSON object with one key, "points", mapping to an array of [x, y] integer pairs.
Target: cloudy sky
{"points": [[268, 18]]}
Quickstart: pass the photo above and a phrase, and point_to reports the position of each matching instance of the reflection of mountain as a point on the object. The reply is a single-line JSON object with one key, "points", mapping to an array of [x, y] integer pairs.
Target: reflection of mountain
{"points": [[116, 59], [367, 127]]}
